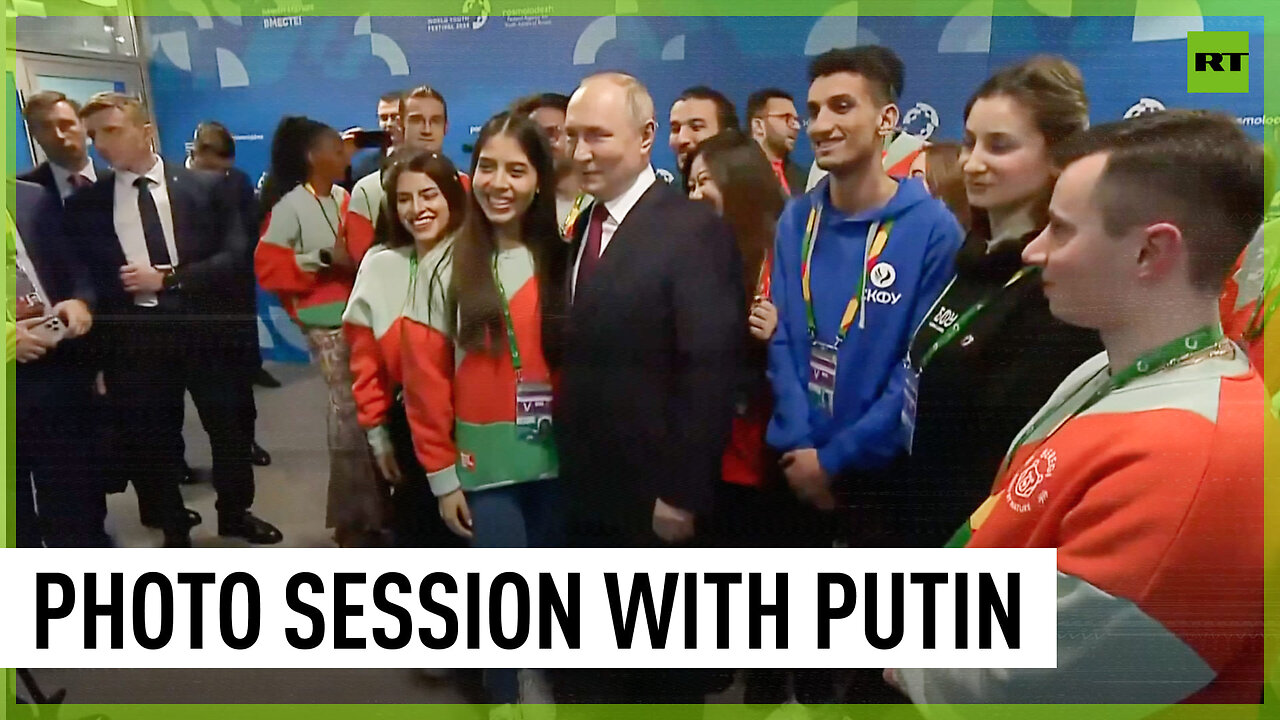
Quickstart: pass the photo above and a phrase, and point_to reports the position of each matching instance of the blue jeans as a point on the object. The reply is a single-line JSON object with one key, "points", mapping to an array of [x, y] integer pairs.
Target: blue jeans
{"points": [[528, 514]]}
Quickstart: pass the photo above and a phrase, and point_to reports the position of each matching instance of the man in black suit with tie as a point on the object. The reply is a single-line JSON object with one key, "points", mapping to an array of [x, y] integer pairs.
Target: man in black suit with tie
{"points": [[652, 348], [164, 244], [54, 376], [54, 121]]}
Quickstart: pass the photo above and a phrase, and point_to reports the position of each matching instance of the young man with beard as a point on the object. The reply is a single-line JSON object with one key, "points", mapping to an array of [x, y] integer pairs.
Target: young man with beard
{"points": [[775, 125]]}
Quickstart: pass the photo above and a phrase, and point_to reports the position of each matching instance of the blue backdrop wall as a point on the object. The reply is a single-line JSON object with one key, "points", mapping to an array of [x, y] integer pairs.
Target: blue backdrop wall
{"points": [[247, 72]]}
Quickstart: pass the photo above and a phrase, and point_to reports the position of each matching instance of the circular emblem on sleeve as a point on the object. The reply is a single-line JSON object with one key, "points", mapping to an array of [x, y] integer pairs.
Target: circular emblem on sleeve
{"points": [[1025, 486]]}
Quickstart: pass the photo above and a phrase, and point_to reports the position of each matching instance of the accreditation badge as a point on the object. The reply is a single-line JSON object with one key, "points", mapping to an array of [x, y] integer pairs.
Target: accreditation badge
{"points": [[822, 376], [910, 395], [533, 411]]}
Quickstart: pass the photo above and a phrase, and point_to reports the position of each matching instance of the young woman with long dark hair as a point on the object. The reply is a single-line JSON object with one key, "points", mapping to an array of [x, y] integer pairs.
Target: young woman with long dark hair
{"points": [[427, 185], [484, 344]]}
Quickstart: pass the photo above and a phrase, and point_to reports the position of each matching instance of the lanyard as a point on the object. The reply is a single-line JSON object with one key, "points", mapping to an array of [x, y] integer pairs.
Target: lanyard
{"points": [[506, 316], [567, 227], [22, 261], [967, 317], [1165, 357], [764, 281], [337, 231], [877, 238]]}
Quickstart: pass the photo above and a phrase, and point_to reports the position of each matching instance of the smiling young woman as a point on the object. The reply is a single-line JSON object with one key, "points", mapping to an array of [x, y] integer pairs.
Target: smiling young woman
{"points": [[989, 352], [483, 345], [423, 205]]}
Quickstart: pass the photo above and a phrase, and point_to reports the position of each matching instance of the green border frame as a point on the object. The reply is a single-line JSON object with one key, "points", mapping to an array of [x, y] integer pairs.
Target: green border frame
{"points": [[1268, 9]]}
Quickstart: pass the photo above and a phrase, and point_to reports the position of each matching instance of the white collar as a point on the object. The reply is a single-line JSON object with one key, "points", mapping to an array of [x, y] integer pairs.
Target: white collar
{"points": [[155, 174], [621, 205], [67, 174]]}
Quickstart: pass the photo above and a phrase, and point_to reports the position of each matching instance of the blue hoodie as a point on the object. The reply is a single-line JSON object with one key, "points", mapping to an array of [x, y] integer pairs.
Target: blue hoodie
{"points": [[863, 431]]}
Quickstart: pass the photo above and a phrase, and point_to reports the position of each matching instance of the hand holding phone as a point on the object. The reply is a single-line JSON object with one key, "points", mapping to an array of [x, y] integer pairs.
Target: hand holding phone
{"points": [[50, 329]]}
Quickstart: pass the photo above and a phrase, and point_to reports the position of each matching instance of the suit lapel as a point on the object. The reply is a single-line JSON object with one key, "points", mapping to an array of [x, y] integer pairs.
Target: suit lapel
{"points": [[631, 229], [106, 199], [625, 239]]}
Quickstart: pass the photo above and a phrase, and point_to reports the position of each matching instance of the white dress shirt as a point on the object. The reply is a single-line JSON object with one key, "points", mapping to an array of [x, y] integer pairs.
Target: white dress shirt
{"points": [[616, 211], [62, 177], [128, 221]]}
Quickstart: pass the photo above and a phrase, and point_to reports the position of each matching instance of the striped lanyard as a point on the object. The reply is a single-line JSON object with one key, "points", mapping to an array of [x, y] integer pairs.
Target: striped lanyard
{"points": [[506, 317], [877, 238], [764, 281], [566, 229]]}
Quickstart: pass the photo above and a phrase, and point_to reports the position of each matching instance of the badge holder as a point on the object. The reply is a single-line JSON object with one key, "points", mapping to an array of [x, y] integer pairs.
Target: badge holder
{"points": [[533, 411], [910, 397], [822, 376]]}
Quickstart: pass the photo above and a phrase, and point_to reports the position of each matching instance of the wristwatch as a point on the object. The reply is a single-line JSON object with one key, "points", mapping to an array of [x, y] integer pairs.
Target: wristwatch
{"points": [[170, 281]]}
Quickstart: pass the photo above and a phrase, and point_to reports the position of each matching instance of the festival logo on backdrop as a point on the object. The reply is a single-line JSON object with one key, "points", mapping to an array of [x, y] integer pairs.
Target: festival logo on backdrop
{"points": [[921, 121], [1145, 106]]}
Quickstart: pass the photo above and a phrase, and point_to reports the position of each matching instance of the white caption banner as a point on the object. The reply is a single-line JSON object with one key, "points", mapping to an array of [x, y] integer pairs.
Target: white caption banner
{"points": [[47, 594]]}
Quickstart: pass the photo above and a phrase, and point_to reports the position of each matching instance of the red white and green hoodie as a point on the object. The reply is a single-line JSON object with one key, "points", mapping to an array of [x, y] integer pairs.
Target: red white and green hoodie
{"points": [[462, 405], [287, 260], [1153, 497], [373, 325]]}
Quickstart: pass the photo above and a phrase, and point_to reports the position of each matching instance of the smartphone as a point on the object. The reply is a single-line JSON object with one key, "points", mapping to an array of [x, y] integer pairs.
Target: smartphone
{"points": [[371, 139], [51, 330]]}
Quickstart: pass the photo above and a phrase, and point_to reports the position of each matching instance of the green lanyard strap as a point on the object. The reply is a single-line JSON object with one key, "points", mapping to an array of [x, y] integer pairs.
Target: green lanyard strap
{"points": [[968, 316], [506, 317], [1165, 357]]}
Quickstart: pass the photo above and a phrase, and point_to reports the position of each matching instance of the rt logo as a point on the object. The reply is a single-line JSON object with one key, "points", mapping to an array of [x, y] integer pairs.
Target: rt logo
{"points": [[1218, 62]]}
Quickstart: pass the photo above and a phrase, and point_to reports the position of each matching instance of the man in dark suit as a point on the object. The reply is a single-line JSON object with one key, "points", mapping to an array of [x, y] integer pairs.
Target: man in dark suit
{"points": [[214, 150], [54, 121], [163, 244], [54, 376], [652, 347]]}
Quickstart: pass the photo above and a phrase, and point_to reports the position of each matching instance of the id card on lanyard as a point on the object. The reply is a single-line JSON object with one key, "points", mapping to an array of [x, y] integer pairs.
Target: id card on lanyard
{"points": [[824, 357], [533, 400], [912, 370]]}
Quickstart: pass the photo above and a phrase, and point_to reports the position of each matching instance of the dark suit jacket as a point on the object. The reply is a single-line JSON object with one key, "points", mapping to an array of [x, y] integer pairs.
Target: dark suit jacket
{"points": [[68, 368], [42, 174], [652, 349], [210, 238], [245, 293]]}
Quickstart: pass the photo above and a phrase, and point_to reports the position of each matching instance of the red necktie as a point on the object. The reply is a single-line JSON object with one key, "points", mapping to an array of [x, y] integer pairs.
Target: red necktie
{"points": [[595, 234]]}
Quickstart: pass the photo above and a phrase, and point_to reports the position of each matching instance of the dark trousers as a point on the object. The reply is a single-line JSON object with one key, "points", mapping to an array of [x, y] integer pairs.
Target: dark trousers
{"points": [[250, 360], [60, 496], [677, 686], [415, 513], [167, 356]]}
